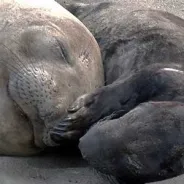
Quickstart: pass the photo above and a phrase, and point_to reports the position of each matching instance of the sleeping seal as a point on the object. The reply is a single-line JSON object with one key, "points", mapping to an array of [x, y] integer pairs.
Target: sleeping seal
{"points": [[47, 59]]}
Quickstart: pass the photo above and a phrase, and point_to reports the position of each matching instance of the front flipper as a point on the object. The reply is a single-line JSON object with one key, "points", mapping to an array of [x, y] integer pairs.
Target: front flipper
{"points": [[78, 120], [84, 112], [90, 108], [152, 83]]}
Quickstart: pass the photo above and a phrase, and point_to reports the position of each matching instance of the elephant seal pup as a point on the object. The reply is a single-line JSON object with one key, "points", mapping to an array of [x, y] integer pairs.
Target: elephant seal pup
{"points": [[143, 57], [48, 58]]}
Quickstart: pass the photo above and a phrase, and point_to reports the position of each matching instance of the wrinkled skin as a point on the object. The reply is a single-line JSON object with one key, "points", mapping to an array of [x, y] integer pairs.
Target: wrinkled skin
{"points": [[143, 57], [44, 51]]}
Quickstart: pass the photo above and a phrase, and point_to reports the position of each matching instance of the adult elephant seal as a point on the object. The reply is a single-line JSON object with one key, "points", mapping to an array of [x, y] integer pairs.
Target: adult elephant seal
{"points": [[48, 58], [138, 117]]}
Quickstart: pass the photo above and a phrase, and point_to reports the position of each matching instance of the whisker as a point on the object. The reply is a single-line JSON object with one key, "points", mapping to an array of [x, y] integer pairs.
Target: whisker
{"points": [[28, 62], [21, 66]]}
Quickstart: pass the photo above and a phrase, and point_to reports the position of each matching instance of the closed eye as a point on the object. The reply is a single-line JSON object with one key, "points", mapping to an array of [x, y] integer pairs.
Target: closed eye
{"points": [[63, 51]]}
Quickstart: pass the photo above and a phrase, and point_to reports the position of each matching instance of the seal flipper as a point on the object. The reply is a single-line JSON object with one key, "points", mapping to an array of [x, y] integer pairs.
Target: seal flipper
{"points": [[70, 135], [152, 83]]}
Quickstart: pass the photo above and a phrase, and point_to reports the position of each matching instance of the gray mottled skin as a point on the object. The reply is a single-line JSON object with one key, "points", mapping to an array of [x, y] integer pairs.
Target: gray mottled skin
{"points": [[48, 58]]}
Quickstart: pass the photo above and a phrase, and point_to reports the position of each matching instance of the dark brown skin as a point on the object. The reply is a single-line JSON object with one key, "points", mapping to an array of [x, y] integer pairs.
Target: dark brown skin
{"points": [[150, 139], [143, 57], [45, 66]]}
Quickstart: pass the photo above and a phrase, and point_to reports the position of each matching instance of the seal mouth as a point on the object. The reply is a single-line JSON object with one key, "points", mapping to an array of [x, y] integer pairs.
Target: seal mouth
{"points": [[32, 88]]}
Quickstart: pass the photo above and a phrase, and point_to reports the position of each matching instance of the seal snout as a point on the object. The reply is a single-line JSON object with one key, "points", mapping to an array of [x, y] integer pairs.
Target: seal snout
{"points": [[33, 89], [95, 147], [88, 145]]}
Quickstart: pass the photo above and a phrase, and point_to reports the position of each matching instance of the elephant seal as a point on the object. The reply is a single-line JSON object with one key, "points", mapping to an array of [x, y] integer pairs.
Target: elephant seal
{"points": [[48, 58], [133, 127]]}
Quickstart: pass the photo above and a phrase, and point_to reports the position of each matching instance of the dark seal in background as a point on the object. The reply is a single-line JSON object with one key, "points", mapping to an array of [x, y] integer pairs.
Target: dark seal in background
{"points": [[128, 31]]}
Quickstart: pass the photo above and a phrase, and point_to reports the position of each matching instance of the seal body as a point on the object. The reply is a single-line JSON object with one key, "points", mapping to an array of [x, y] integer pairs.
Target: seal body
{"points": [[48, 59], [137, 117]]}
